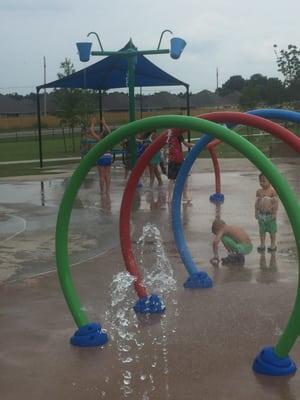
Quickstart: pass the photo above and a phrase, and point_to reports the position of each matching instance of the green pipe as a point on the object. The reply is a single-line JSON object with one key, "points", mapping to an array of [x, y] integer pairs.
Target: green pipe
{"points": [[129, 52], [131, 81], [285, 193]]}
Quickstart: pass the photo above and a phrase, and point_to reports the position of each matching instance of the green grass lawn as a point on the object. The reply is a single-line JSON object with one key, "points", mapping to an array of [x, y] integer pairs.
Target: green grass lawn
{"points": [[226, 151], [31, 168], [27, 148], [56, 146]]}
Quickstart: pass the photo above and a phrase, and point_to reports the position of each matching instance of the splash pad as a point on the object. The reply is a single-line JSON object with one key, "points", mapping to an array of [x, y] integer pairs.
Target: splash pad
{"points": [[279, 359]]}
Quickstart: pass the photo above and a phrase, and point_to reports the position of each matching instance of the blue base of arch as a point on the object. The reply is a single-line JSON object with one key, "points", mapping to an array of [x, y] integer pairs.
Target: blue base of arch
{"points": [[90, 335], [268, 363], [198, 280], [217, 198], [149, 305]]}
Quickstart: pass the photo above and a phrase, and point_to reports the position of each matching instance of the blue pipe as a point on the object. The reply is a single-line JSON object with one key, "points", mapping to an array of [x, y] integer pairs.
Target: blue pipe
{"points": [[176, 204], [180, 241]]}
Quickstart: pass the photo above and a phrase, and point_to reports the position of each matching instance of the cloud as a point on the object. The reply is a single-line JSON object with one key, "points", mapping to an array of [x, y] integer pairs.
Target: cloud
{"points": [[237, 37], [34, 6]]}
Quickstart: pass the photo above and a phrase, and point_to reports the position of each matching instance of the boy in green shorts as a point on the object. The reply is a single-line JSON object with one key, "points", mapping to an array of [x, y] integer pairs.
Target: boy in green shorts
{"points": [[235, 240]]}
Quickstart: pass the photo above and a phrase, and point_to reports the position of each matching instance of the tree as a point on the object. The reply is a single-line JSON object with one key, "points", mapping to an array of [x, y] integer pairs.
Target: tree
{"points": [[68, 68], [250, 96], [15, 96], [234, 83], [31, 96], [262, 90], [74, 104], [68, 100], [288, 62], [275, 92]]}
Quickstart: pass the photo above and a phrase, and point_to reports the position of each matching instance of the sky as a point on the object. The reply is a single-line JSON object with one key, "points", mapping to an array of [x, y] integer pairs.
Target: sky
{"points": [[234, 36]]}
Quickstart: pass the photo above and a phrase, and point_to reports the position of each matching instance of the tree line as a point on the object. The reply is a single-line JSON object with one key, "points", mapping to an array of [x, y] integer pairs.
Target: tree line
{"points": [[76, 105], [260, 89]]}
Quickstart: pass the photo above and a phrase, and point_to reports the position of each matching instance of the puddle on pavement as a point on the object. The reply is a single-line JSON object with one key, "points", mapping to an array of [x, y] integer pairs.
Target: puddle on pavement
{"points": [[28, 213]]}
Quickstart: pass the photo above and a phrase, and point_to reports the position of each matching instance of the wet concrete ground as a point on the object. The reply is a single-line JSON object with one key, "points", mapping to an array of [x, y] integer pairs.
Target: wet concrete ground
{"points": [[204, 345]]}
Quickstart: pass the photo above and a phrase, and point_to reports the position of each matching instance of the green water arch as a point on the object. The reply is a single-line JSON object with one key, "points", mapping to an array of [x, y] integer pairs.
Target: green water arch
{"points": [[285, 193]]}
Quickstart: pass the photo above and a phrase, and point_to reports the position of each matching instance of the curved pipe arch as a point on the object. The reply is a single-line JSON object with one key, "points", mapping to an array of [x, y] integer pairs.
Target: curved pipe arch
{"points": [[65, 209], [268, 113], [286, 194], [125, 212], [291, 331]]}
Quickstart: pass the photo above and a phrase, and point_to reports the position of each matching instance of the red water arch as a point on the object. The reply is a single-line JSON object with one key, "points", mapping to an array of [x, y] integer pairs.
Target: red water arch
{"points": [[221, 117]]}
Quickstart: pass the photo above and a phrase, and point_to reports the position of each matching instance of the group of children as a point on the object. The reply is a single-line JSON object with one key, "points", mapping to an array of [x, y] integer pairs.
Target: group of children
{"points": [[157, 165], [236, 240]]}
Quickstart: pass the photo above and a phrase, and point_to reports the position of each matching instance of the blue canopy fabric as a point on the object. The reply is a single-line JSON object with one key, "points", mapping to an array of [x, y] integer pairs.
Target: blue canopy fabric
{"points": [[111, 73]]}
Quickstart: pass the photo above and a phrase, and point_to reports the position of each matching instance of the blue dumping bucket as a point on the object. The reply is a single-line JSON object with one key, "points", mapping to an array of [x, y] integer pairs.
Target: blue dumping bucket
{"points": [[84, 50], [177, 46]]}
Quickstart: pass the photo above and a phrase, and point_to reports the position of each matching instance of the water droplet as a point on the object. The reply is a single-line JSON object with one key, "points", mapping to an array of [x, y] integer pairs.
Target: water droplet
{"points": [[278, 331], [127, 360], [124, 347], [126, 390], [127, 375]]}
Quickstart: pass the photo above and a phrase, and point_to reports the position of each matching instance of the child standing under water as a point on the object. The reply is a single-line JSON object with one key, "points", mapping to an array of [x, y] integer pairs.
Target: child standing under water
{"points": [[235, 240], [266, 206], [104, 162]]}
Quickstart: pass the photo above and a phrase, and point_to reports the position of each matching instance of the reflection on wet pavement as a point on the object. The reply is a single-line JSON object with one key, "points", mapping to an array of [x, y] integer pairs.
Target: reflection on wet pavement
{"points": [[28, 214], [205, 343], [29, 209]]}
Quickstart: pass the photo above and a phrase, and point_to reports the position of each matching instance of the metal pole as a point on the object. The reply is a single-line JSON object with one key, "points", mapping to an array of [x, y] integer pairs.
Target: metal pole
{"points": [[39, 126], [141, 103], [100, 109], [131, 140], [45, 93], [188, 109], [166, 30]]}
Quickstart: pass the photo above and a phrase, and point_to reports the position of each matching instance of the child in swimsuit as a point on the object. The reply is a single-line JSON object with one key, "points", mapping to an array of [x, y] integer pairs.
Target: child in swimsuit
{"points": [[235, 240], [154, 163], [104, 162], [266, 206], [88, 140]]}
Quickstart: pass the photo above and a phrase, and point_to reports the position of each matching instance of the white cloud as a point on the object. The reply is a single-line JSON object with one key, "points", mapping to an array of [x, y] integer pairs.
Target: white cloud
{"points": [[235, 36]]}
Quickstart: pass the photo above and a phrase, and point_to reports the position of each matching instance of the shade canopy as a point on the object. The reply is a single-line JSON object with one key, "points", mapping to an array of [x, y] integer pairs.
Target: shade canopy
{"points": [[111, 73]]}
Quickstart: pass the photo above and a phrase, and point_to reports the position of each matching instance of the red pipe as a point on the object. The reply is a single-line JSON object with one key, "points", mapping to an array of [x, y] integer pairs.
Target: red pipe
{"points": [[222, 117], [216, 165]]}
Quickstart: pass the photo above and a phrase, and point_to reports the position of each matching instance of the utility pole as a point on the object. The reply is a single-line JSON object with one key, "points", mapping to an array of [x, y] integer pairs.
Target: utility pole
{"points": [[217, 77], [45, 94]]}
